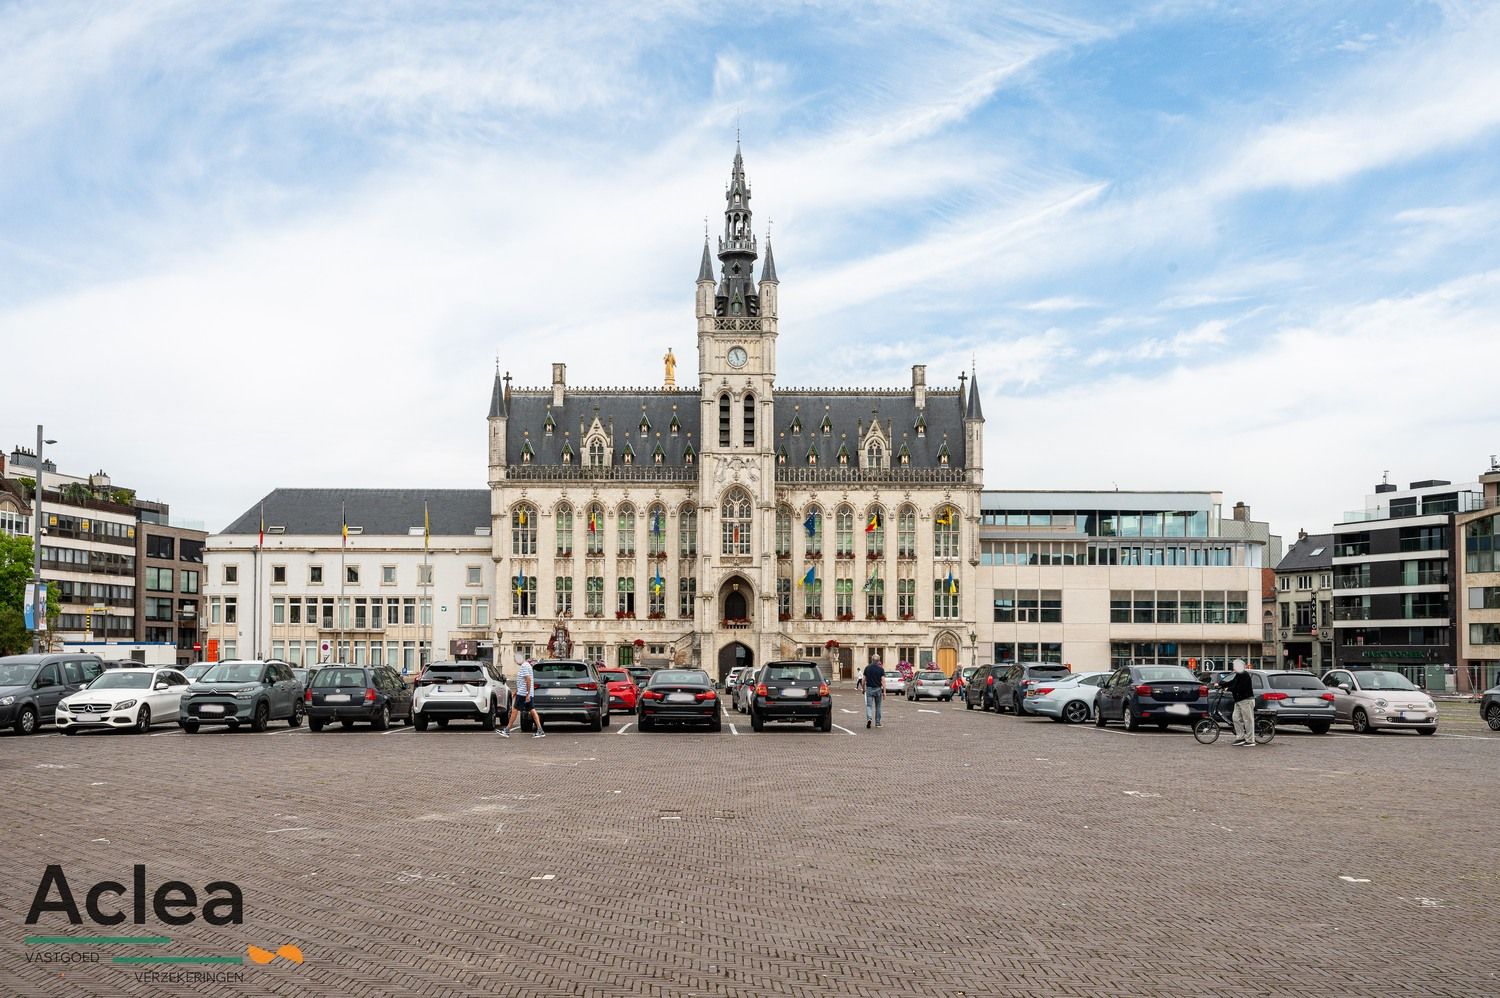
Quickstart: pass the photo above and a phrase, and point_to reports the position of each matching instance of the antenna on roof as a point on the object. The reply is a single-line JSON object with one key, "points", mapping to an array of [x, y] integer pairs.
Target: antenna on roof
{"points": [[1385, 478]]}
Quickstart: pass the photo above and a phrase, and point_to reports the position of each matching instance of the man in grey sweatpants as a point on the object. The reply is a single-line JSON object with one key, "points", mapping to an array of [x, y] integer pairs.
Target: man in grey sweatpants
{"points": [[1244, 705]]}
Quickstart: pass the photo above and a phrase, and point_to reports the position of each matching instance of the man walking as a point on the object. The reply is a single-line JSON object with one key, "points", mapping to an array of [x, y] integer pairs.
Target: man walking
{"points": [[1244, 705], [525, 700], [874, 679]]}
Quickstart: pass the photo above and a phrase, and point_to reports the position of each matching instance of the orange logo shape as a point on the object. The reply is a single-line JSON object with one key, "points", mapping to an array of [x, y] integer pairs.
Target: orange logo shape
{"points": [[264, 956]]}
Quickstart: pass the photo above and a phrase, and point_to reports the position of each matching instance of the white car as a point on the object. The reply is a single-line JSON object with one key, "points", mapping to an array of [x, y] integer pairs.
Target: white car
{"points": [[894, 683], [469, 691], [123, 700], [1069, 700], [1374, 699]]}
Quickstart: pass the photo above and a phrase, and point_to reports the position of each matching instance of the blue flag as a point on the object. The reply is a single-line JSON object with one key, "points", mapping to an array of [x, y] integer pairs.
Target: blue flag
{"points": [[807, 579], [811, 523]]}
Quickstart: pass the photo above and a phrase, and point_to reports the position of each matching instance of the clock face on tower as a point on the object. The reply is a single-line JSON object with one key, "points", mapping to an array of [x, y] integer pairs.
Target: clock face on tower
{"points": [[737, 357]]}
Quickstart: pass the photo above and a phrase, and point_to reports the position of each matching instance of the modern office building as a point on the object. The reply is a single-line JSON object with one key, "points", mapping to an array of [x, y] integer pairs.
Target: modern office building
{"points": [[1303, 624], [1102, 579], [95, 554], [1477, 558], [169, 595], [1393, 580]]}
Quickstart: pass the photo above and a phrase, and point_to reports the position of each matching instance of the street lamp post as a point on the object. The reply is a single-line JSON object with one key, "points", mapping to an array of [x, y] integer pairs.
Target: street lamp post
{"points": [[36, 546]]}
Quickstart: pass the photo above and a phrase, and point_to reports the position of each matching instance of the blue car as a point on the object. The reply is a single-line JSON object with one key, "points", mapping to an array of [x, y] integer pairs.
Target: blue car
{"points": [[1151, 694]]}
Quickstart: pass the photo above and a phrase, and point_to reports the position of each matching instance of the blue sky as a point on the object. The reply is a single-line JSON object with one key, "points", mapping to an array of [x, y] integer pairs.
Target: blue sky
{"points": [[1242, 246]]}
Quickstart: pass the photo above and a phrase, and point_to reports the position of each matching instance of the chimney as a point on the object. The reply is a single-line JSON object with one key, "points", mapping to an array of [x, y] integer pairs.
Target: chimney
{"points": [[1242, 512], [1301, 534], [559, 381], [919, 385]]}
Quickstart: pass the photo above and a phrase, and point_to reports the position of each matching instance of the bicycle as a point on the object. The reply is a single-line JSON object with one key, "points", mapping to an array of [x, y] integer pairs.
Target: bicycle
{"points": [[1207, 730]]}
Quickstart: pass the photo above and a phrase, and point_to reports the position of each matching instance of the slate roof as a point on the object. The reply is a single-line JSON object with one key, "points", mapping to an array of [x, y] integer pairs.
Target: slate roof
{"points": [[974, 411], [848, 412], [377, 511], [529, 409], [768, 269], [1300, 557]]}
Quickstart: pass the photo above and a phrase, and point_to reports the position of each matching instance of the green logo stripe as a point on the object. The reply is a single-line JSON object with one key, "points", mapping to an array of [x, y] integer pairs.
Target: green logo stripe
{"points": [[96, 940], [176, 959]]}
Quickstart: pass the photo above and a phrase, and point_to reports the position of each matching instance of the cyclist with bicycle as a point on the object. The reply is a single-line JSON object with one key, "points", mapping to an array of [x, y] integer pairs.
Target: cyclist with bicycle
{"points": [[1244, 704]]}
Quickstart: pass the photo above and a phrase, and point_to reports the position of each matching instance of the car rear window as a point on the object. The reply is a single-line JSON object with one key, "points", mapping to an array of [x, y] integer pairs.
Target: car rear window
{"points": [[561, 670], [451, 674], [1297, 681], [663, 676], [791, 673], [1166, 674], [1049, 672], [932, 675], [338, 677], [614, 676]]}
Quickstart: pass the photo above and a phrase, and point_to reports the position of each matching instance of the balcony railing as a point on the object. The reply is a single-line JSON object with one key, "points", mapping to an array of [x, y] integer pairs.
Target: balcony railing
{"points": [[854, 475], [606, 473]]}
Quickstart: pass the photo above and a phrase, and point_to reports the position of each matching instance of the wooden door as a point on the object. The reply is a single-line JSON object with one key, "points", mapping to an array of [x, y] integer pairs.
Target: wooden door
{"points": [[947, 660]]}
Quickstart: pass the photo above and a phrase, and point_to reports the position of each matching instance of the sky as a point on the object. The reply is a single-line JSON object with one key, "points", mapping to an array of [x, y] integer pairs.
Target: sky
{"points": [[1241, 246]]}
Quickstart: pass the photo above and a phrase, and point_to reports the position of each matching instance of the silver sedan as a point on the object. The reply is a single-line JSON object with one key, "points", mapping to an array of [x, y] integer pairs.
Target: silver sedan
{"points": [[929, 684]]}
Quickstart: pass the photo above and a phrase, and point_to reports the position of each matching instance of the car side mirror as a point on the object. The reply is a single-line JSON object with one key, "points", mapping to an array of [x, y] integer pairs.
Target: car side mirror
{"points": [[1345, 687], [161, 686]]}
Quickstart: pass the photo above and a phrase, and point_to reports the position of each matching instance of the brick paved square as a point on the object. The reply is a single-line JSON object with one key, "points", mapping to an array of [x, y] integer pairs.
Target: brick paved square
{"points": [[949, 853]]}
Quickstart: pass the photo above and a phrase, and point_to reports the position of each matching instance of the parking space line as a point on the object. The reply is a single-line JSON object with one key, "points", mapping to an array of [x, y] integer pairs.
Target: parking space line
{"points": [[160, 734], [733, 730], [397, 731], [924, 710], [624, 728], [844, 729]]}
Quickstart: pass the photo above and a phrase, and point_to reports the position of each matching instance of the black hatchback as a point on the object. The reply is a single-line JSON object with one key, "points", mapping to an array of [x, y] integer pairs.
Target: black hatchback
{"points": [[791, 691], [1151, 694], [679, 696], [350, 693], [982, 687], [1016, 682]]}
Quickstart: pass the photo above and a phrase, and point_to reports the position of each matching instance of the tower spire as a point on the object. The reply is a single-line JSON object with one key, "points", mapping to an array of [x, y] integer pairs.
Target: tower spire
{"points": [[737, 252]]}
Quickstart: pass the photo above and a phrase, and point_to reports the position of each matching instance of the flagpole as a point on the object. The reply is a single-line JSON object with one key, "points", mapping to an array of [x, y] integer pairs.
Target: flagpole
{"points": [[255, 614], [343, 575]]}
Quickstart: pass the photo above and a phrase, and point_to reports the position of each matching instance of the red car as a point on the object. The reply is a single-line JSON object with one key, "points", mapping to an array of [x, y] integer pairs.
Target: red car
{"points": [[622, 690]]}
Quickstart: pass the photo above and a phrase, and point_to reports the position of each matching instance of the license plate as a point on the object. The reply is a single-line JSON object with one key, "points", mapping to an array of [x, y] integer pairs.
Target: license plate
{"points": [[450, 689], [211, 708], [1305, 701], [1415, 715], [1177, 708], [680, 698], [557, 693], [794, 693], [336, 698]]}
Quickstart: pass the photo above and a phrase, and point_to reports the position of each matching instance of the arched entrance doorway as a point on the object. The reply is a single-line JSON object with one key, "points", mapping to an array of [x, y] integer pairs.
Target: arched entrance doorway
{"points": [[732, 655], [734, 601], [947, 653]]}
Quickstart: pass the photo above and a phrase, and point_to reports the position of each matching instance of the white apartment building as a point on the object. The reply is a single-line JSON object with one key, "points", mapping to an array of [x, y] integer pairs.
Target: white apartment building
{"points": [[384, 596], [1103, 579]]}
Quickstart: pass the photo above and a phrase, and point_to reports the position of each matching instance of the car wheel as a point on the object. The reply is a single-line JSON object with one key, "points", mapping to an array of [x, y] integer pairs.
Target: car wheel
{"points": [[1362, 722], [968, 704], [1075, 712], [596, 723], [314, 725], [1127, 718], [261, 717], [142, 721], [295, 721], [756, 724], [188, 727], [1427, 731], [1016, 706], [1320, 728], [1492, 717], [645, 724], [604, 721], [717, 724], [1099, 721], [383, 720], [825, 723], [26, 721], [487, 721], [419, 721]]}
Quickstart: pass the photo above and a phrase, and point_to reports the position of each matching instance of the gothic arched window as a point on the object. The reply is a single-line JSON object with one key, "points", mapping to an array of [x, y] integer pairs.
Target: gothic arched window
{"points": [[735, 522], [625, 529], [564, 519], [945, 533], [596, 453], [724, 420], [523, 529], [749, 424]]}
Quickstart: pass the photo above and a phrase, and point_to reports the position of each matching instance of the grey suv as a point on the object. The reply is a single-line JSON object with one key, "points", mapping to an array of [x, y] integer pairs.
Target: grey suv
{"points": [[32, 685], [1011, 686], [568, 690], [253, 693]]}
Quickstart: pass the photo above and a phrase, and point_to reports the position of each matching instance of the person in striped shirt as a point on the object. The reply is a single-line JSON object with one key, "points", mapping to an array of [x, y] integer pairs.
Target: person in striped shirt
{"points": [[525, 700]]}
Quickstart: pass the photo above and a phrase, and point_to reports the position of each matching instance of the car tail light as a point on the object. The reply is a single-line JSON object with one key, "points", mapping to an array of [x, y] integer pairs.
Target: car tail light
{"points": [[1143, 690], [1203, 691], [652, 695], [1273, 696], [1042, 691], [822, 689], [989, 681], [588, 686], [706, 695], [1326, 696], [760, 690], [369, 694], [307, 695]]}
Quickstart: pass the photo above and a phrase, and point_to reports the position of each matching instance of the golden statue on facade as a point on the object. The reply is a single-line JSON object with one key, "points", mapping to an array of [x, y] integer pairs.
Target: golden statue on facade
{"points": [[671, 365]]}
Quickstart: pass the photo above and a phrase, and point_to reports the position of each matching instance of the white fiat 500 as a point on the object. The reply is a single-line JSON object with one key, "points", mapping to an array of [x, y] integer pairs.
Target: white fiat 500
{"points": [[124, 700]]}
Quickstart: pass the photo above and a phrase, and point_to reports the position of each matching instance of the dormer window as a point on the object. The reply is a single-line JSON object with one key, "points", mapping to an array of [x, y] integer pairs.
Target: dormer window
{"points": [[689, 455], [796, 424], [674, 426], [596, 453], [659, 456], [629, 455], [874, 455], [812, 455], [781, 455], [526, 452], [548, 426], [843, 454], [645, 426], [921, 427], [943, 455], [567, 453], [905, 456], [827, 426]]}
